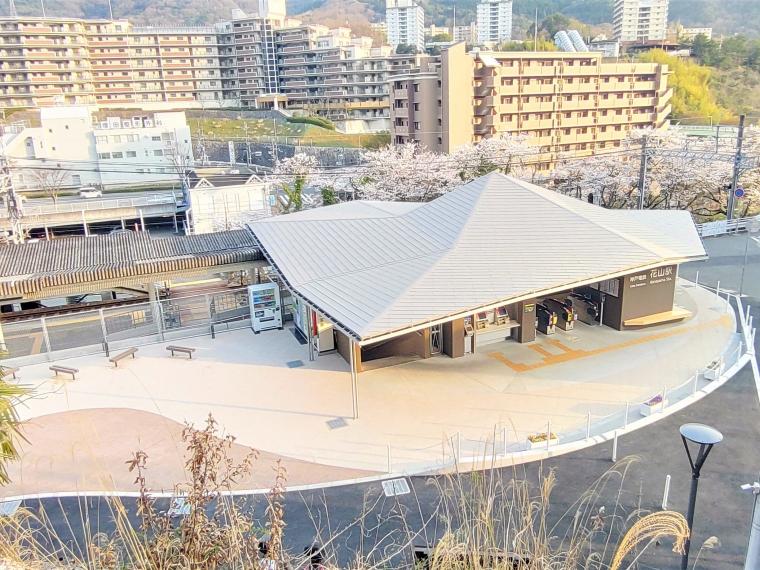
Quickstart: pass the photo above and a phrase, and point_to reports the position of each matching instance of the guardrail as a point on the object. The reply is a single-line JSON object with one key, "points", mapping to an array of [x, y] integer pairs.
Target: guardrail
{"points": [[722, 227], [85, 205]]}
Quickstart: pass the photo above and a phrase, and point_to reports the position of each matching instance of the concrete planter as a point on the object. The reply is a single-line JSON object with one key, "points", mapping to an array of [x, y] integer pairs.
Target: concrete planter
{"points": [[714, 371], [652, 407], [541, 444]]}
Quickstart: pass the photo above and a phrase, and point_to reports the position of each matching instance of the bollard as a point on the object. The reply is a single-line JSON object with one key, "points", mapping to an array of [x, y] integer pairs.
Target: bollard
{"points": [[459, 447], [504, 435], [666, 493], [696, 381], [717, 289], [664, 395], [588, 425], [548, 433], [390, 462], [627, 406], [696, 279], [614, 446]]}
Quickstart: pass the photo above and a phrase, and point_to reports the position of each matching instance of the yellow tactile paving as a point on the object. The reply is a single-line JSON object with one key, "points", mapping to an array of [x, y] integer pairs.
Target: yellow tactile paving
{"points": [[568, 354]]}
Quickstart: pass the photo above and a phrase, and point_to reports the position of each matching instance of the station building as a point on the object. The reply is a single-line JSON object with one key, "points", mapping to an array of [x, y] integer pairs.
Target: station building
{"points": [[385, 280]]}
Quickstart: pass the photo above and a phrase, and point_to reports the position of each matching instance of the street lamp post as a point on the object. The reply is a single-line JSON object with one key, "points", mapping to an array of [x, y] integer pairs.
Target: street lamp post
{"points": [[705, 437]]}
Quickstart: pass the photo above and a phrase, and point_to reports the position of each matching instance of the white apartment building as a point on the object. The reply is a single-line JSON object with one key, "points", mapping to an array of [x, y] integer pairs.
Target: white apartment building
{"points": [[494, 21], [691, 33], [640, 21], [76, 146], [467, 33], [406, 23]]}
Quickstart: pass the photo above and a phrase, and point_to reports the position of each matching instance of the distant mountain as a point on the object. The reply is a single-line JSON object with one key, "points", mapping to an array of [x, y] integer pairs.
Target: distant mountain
{"points": [[725, 16]]}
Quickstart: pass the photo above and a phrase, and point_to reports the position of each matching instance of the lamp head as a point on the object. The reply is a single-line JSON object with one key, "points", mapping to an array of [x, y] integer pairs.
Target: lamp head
{"points": [[701, 434]]}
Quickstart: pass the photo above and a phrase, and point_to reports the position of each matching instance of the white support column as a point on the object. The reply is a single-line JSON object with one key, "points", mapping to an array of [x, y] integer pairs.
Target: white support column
{"points": [[46, 338], [104, 330], [84, 223], [142, 222], [310, 333], [354, 391]]}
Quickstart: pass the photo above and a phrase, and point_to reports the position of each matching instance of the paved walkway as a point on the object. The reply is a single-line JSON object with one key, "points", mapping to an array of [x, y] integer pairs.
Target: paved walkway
{"points": [[254, 386]]}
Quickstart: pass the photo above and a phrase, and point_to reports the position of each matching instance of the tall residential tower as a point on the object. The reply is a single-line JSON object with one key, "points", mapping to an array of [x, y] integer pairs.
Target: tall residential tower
{"points": [[494, 21], [640, 20], [406, 23]]}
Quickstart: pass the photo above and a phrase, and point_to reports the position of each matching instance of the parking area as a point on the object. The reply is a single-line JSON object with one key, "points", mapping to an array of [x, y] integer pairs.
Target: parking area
{"points": [[264, 390]]}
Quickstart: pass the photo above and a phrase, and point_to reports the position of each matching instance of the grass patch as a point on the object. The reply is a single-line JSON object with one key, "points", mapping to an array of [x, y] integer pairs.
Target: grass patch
{"points": [[286, 132]]}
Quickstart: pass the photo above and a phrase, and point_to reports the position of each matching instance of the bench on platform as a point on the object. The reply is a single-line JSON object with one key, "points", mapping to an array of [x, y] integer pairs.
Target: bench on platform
{"points": [[9, 370], [129, 352], [181, 349], [65, 370]]}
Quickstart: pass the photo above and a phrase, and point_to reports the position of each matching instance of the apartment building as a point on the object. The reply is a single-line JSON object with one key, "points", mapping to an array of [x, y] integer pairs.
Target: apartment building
{"points": [[45, 61], [494, 21], [406, 23], [466, 33], [107, 147], [638, 21], [564, 102]]}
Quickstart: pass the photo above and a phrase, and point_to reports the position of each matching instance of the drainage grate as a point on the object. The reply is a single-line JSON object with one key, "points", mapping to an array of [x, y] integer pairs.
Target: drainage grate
{"points": [[337, 423], [393, 487], [294, 364]]}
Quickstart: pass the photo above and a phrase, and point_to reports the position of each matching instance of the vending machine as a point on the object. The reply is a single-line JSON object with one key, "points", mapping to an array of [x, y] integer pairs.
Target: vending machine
{"points": [[264, 300]]}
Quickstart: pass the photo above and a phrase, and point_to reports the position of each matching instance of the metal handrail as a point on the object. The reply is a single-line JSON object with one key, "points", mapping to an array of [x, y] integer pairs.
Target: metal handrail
{"points": [[92, 205]]}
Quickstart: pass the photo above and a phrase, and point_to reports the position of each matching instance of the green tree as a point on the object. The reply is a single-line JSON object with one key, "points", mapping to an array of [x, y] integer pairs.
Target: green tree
{"points": [[329, 197], [406, 49], [10, 431], [692, 96], [439, 38]]}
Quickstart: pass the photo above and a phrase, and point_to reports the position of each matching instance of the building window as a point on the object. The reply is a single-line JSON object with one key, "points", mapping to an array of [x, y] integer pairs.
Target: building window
{"points": [[131, 154], [104, 155], [158, 152], [117, 155]]}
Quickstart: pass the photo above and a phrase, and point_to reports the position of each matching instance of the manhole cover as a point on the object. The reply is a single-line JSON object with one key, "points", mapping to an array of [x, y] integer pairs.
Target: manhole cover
{"points": [[393, 487], [337, 423], [294, 363]]}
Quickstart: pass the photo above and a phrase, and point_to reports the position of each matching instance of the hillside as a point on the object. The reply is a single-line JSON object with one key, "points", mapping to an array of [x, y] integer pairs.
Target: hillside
{"points": [[725, 16]]}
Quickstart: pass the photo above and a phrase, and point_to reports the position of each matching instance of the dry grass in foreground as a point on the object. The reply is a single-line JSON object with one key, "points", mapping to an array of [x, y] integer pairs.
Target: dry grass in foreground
{"points": [[479, 521]]}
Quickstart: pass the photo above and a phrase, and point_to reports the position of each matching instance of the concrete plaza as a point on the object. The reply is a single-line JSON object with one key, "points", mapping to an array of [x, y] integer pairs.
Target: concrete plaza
{"points": [[262, 389]]}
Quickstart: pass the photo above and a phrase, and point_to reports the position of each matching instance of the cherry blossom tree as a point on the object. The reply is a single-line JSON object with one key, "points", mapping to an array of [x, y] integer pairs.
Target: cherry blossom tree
{"points": [[406, 173], [508, 154], [293, 175]]}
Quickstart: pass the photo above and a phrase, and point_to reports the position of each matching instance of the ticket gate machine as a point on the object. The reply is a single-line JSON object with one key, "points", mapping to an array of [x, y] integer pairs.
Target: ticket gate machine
{"points": [[586, 308], [566, 315], [546, 319]]}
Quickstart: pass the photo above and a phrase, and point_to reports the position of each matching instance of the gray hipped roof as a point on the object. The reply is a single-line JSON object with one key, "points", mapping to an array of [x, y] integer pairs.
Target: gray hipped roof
{"points": [[377, 268]]}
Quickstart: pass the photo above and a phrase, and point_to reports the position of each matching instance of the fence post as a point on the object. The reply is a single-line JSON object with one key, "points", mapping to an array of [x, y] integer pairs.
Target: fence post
{"points": [[666, 493], [504, 435], [548, 432], [627, 407], [696, 279], [390, 462], [46, 338], [696, 381], [159, 317], [614, 446], [664, 395], [717, 289], [588, 425], [459, 447], [104, 331]]}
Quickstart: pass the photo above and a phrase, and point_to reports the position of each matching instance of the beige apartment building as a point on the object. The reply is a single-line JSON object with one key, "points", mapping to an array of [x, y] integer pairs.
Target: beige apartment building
{"points": [[564, 102], [53, 61]]}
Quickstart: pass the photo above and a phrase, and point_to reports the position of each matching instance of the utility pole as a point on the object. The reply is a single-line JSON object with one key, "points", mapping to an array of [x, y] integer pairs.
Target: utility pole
{"points": [[737, 170], [12, 201], [643, 172], [752, 562]]}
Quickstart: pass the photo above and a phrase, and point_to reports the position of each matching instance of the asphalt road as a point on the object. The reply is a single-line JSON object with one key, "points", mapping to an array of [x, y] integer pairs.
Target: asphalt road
{"points": [[361, 520]]}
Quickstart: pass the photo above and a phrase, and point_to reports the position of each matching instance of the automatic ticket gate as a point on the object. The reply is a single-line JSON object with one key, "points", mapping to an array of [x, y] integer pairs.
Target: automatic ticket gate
{"points": [[565, 312], [586, 308], [546, 319]]}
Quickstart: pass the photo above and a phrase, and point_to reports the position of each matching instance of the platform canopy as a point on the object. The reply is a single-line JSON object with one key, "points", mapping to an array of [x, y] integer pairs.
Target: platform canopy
{"points": [[378, 269], [72, 265]]}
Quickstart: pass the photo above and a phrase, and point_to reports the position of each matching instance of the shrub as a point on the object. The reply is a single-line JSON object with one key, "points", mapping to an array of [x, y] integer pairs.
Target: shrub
{"points": [[313, 120]]}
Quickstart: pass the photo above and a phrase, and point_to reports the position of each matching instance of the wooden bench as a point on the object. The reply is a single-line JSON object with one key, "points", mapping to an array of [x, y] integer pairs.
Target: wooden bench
{"points": [[115, 359], [9, 370], [65, 370], [182, 349]]}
